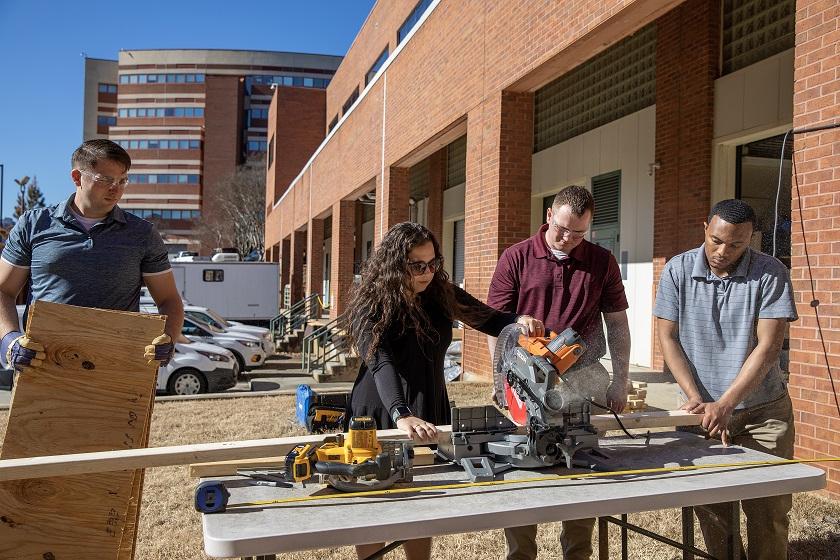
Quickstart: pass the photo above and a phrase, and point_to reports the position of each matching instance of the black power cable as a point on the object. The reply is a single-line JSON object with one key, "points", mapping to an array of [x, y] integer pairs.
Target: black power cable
{"points": [[815, 303]]}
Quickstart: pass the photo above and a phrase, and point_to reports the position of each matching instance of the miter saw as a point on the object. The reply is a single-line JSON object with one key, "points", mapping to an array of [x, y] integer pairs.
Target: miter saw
{"points": [[549, 405]]}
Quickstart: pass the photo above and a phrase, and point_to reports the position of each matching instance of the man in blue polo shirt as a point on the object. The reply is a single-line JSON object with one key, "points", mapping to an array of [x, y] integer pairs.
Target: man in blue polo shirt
{"points": [[86, 251], [722, 311]]}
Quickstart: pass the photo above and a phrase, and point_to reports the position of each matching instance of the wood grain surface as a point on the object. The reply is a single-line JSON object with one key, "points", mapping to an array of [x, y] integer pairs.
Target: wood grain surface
{"points": [[94, 392], [35, 467]]}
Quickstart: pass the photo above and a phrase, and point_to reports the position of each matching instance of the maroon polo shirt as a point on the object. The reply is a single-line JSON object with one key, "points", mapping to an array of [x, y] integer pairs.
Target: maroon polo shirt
{"points": [[573, 292]]}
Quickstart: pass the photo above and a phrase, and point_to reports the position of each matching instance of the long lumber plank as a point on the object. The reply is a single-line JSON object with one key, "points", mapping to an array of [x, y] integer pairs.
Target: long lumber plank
{"points": [[80, 463]]}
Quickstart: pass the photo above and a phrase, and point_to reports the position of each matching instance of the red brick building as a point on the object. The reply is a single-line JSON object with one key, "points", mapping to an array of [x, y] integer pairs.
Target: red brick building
{"points": [[469, 115], [188, 118]]}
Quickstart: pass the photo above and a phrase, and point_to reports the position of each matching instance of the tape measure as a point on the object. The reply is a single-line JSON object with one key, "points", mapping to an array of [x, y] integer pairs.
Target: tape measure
{"points": [[218, 495]]}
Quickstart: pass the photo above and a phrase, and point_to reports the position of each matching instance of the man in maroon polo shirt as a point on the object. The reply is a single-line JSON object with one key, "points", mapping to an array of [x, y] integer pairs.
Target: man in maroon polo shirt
{"points": [[565, 281]]}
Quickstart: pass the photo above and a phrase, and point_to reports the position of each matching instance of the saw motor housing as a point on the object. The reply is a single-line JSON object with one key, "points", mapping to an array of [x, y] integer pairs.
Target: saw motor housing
{"points": [[358, 461]]}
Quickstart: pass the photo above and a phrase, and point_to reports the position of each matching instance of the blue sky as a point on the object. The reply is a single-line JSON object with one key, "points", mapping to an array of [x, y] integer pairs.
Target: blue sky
{"points": [[42, 70]]}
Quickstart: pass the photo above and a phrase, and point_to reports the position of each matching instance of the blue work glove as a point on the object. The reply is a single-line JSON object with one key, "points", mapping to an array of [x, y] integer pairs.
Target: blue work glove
{"points": [[160, 350], [20, 352]]}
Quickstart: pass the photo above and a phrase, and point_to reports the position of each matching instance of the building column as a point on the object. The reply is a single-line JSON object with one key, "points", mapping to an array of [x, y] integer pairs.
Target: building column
{"points": [[392, 191], [437, 182], [500, 136], [298, 249], [285, 267], [342, 255], [315, 257], [687, 64], [815, 251]]}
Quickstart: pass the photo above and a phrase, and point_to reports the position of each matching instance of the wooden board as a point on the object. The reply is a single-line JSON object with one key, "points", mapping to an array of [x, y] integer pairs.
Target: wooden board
{"points": [[422, 456], [37, 467], [94, 392]]}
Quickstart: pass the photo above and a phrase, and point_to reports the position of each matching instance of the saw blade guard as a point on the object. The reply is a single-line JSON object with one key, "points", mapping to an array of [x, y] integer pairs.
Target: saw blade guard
{"points": [[505, 344]]}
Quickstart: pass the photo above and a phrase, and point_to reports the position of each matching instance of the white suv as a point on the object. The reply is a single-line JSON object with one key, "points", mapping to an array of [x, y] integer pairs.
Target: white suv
{"points": [[196, 368], [214, 319], [247, 349]]}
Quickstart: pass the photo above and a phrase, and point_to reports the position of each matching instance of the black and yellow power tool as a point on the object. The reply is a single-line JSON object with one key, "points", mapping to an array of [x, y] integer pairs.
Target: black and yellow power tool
{"points": [[352, 462]]}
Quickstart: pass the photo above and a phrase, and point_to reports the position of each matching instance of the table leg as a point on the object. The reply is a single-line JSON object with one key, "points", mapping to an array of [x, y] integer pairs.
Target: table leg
{"points": [[624, 537], [603, 539], [383, 551], [733, 541], [688, 531]]}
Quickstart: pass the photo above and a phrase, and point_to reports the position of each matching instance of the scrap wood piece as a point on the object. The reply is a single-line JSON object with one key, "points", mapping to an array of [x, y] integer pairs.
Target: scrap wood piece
{"points": [[93, 392], [422, 456], [36, 467]]}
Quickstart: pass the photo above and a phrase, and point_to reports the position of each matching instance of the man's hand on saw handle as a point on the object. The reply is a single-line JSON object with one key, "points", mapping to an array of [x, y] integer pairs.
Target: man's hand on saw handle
{"points": [[531, 326], [160, 350], [21, 352]]}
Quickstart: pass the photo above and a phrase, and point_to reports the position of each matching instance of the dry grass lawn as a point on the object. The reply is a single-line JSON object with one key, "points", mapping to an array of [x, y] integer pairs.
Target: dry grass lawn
{"points": [[171, 529]]}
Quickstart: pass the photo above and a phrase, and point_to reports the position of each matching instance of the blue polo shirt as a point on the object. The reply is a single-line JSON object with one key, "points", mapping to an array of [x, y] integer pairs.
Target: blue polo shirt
{"points": [[101, 268], [718, 317]]}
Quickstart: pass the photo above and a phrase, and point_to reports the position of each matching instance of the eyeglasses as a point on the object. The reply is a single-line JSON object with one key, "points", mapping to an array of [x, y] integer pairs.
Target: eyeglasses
{"points": [[418, 268], [97, 178], [566, 231]]}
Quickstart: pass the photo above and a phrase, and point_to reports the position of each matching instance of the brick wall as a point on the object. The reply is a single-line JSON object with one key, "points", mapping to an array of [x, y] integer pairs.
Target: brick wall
{"points": [[500, 136], [222, 141], [298, 128], [343, 245], [817, 166], [687, 52], [315, 254], [392, 191]]}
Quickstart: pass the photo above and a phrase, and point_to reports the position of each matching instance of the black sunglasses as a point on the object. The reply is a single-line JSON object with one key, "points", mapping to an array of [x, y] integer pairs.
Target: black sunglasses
{"points": [[419, 268]]}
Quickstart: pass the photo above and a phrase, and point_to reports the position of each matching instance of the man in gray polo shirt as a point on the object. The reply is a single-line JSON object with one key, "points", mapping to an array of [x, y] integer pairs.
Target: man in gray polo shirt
{"points": [[722, 311], [86, 251]]}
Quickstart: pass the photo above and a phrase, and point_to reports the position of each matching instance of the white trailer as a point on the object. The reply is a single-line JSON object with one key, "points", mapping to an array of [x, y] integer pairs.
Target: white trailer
{"points": [[240, 291]]}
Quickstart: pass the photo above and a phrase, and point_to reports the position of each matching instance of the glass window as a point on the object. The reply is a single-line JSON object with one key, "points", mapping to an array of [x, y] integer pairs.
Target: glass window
{"points": [[194, 144], [103, 88], [123, 79], [376, 66], [132, 79], [199, 78], [190, 78], [194, 179], [152, 144], [152, 78], [141, 78], [412, 19], [308, 82]]}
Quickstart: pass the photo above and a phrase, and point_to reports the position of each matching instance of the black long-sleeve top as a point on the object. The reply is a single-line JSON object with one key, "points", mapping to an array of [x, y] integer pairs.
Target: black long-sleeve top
{"points": [[407, 369]]}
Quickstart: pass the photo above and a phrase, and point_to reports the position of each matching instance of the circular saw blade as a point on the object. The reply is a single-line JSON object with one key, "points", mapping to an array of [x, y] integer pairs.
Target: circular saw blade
{"points": [[354, 484], [505, 343]]}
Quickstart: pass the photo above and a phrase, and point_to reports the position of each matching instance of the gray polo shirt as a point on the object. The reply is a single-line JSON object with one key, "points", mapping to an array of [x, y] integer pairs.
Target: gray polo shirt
{"points": [[100, 268], [718, 317]]}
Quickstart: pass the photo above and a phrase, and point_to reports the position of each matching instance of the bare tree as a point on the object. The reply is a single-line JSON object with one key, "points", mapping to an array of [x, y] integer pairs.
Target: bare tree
{"points": [[34, 198], [238, 209]]}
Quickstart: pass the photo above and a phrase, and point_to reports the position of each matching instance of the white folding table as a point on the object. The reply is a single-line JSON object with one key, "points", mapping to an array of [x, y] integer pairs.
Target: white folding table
{"points": [[269, 529]]}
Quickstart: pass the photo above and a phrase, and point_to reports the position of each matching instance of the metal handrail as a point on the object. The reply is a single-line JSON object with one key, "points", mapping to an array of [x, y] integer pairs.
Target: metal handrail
{"points": [[295, 316], [331, 344]]}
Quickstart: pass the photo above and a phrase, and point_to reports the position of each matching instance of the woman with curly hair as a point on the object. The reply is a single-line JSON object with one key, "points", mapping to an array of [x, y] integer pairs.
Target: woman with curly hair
{"points": [[400, 323]]}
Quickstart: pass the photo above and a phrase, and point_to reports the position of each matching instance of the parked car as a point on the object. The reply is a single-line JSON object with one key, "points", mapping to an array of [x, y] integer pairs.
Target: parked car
{"points": [[247, 349], [197, 368], [214, 319]]}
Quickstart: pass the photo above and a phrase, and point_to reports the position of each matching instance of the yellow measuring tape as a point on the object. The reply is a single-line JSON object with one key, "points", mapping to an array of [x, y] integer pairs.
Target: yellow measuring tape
{"points": [[548, 478]]}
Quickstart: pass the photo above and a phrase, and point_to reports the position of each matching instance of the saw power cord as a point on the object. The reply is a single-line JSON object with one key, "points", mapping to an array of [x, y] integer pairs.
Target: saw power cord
{"points": [[815, 303], [546, 478]]}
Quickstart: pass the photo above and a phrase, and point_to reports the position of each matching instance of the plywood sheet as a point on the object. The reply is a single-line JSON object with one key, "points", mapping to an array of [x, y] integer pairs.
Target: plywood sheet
{"points": [[94, 392]]}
